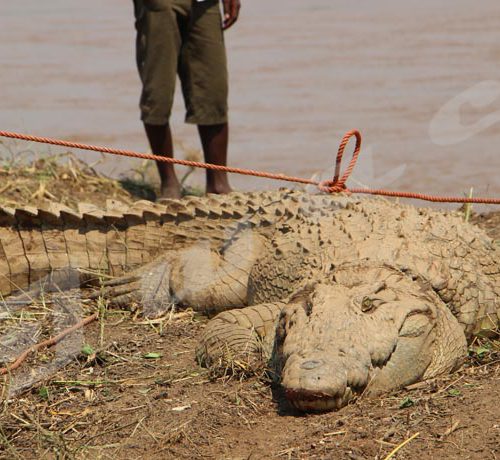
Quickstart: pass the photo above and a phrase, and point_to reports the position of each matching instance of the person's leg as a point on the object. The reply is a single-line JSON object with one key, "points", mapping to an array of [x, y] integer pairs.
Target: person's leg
{"points": [[214, 139], [203, 73], [160, 139], [158, 47]]}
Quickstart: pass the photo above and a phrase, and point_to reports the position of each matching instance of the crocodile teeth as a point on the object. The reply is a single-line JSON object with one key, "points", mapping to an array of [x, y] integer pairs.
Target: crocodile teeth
{"points": [[322, 404], [319, 405]]}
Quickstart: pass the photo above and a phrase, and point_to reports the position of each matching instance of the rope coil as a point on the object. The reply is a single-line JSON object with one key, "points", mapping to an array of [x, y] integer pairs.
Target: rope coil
{"points": [[334, 186]]}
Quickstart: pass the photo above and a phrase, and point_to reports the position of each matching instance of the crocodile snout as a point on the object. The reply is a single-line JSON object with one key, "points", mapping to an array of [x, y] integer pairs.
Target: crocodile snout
{"points": [[313, 384]]}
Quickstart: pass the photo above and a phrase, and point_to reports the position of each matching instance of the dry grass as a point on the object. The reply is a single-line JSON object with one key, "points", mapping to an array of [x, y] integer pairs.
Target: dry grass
{"points": [[30, 178], [62, 178]]}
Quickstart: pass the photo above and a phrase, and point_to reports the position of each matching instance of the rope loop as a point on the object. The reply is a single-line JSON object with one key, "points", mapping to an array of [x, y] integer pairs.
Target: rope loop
{"points": [[338, 185]]}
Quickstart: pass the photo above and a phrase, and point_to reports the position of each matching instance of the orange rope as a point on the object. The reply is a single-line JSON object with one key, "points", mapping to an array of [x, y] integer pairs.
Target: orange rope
{"points": [[333, 186]]}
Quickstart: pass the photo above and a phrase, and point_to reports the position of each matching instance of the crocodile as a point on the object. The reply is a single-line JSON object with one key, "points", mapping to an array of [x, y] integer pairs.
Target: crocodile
{"points": [[336, 295]]}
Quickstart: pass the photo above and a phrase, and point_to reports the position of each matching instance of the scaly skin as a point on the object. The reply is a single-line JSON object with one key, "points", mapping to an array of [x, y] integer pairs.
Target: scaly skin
{"points": [[338, 295]]}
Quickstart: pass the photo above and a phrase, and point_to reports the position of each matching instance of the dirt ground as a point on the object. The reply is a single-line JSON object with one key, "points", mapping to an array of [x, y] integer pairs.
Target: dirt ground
{"points": [[134, 390]]}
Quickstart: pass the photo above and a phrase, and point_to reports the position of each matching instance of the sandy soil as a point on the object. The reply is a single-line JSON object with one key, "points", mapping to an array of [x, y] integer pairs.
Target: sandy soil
{"points": [[134, 391]]}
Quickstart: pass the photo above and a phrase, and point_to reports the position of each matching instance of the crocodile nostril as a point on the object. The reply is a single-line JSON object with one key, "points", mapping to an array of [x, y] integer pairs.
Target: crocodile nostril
{"points": [[310, 364]]}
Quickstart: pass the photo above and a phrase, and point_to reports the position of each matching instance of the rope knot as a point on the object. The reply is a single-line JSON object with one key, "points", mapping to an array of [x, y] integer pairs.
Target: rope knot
{"points": [[329, 186], [337, 185]]}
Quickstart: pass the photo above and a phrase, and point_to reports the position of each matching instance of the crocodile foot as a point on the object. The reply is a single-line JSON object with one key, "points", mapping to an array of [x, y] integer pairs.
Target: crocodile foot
{"points": [[148, 287]]}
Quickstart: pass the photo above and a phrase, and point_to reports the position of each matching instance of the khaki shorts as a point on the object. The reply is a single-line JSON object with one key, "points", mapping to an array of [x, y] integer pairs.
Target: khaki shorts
{"points": [[181, 37]]}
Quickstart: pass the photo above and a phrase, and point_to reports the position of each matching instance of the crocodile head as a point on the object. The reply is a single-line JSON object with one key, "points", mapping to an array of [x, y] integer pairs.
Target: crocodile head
{"points": [[370, 329]]}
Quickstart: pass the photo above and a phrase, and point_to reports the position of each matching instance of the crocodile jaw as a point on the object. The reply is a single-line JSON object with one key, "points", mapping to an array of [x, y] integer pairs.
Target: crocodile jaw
{"points": [[317, 402]]}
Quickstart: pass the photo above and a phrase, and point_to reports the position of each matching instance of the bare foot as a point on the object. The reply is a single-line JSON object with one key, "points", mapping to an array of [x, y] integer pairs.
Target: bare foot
{"points": [[218, 183], [219, 189], [171, 191]]}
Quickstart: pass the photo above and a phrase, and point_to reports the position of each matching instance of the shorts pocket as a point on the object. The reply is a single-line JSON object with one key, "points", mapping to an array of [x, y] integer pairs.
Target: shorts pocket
{"points": [[157, 5]]}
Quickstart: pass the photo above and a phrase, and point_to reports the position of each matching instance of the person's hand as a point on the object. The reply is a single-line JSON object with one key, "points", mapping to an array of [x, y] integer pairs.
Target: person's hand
{"points": [[231, 11]]}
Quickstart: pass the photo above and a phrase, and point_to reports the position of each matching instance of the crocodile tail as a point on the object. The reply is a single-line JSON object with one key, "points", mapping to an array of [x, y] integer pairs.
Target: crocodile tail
{"points": [[40, 242], [35, 243]]}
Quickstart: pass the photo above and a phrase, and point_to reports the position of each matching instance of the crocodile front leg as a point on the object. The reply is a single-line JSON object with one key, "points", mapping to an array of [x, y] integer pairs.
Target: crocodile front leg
{"points": [[198, 277], [239, 340]]}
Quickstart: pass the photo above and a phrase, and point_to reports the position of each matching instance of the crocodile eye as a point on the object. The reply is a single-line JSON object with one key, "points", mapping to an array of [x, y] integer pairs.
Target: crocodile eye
{"points": [[370, 304], [366, 304]]}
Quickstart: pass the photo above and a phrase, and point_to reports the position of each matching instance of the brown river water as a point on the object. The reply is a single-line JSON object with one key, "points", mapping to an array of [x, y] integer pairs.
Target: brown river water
{"points": [[419, 79]]}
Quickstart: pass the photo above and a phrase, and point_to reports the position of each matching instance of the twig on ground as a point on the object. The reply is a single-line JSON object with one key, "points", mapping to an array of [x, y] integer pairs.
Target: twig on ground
{"points": [[396, 449], [47, 343]]}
